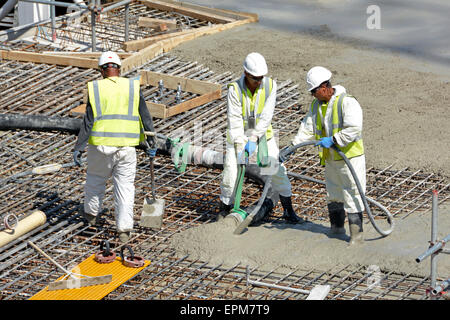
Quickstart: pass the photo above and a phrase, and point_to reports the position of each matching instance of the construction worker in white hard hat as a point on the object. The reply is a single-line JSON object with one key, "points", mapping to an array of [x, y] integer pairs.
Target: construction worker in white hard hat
{"points": [[251, 103], [116, 116], [336, 118]]}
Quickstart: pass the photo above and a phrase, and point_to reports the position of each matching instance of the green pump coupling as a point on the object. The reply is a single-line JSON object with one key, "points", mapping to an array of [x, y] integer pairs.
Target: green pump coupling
{"points": [[180, 154]]}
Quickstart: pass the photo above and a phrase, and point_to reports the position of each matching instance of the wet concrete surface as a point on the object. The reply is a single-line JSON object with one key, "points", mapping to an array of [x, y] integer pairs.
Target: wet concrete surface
{"points": [[411, 27]]}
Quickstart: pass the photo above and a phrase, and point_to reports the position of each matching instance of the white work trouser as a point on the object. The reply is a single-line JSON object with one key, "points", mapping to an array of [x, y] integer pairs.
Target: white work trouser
{"points": [[341, 187], [281, 184], [120, 163]]}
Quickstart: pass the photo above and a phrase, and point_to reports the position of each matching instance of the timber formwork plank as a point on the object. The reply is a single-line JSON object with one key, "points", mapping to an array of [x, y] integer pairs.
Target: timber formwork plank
{"points": [[161, 24], [198, 12], [203, 92], [206, 92], [49, 59]]}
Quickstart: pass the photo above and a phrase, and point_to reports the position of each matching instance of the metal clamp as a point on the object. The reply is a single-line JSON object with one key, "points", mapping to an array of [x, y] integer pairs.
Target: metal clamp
{"points": [[131, 261], [105, 255]]}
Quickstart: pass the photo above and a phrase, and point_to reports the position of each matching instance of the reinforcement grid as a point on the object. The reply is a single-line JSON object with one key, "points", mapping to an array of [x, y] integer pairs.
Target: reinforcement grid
{"points": [[75, 33], [192, 197]]}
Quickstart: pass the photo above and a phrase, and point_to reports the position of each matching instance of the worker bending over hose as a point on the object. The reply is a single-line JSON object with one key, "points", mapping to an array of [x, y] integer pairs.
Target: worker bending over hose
{"points": [[251, 103]]}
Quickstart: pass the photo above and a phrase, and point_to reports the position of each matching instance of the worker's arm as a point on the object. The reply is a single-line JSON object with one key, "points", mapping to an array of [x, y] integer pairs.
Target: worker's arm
{"points": [[267, 113], [85, 129], [234, 117], [146, 119], [352, 122], [306, 130]]}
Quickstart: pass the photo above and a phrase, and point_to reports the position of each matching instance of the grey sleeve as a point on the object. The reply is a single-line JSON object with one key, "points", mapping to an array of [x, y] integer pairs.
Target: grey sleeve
{"points": [[146, 119], [85, 129]]}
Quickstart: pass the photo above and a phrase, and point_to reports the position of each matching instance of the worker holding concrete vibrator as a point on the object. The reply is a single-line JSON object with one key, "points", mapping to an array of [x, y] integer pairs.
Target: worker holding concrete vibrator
{"points": [[335, 118], [251, 103], [114, 124]]}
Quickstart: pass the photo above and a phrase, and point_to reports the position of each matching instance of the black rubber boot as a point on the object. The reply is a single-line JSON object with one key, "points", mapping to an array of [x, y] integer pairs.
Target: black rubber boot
{"points": [[288, 211], [356, 228], [336, 213], [224, 210], [263, 212]]}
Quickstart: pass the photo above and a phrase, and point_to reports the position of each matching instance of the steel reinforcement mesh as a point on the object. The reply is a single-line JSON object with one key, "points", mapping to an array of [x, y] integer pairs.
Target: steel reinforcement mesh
{"points": [[74, 33], [192, 197]]}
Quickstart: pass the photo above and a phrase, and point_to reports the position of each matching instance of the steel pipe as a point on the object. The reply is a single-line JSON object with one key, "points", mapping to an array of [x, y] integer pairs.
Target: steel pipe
{"points": [[441, 287], [434, 228], [274, 286], [116, 5], [7, 7], [52, 17], [433, 249], [93, 34], [60, 4], [127, 22]]}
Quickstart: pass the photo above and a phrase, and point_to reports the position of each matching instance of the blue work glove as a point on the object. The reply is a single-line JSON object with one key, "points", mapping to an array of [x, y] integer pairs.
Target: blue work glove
{"points": [[77, 157], [284, 155], [151, 152], [242, 157], [250, 147], [325, 142]]}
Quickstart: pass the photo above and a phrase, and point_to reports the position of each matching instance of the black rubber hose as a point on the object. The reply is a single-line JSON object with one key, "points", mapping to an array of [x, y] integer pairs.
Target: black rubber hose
{"points": [[39, 123], [390, 218], [244, 224], [70, 125]]}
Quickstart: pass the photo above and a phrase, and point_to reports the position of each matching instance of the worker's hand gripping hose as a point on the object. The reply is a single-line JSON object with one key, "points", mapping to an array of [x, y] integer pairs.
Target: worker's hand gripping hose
{"points": [[289, 150]]}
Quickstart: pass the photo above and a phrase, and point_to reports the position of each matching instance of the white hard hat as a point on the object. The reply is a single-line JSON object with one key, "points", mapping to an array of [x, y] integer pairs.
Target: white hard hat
{"points": [[316, 76], [255, 64], [109, 57]]}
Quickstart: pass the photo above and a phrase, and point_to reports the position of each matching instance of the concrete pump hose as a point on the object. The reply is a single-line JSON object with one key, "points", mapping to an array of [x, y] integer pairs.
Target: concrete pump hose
{"points": [[248, 220], [365, 199], [267, 185]]}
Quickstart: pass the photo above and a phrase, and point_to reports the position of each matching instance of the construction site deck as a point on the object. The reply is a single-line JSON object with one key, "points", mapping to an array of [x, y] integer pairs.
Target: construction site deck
{"points": [[31, 84]]}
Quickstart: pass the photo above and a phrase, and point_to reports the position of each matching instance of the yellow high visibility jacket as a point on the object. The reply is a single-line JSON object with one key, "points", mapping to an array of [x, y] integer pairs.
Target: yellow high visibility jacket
{"points": [[353, 149], [115, 106], [257, 101]]}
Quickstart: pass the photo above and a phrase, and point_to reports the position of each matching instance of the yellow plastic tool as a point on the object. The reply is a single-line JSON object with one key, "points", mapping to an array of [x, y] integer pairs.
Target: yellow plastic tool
{"points": [[90, 267], [74, 280]]}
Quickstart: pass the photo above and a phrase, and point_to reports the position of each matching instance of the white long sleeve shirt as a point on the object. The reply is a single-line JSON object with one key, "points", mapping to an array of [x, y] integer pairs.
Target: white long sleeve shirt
{"points": [[235, 118], [352, 121]]}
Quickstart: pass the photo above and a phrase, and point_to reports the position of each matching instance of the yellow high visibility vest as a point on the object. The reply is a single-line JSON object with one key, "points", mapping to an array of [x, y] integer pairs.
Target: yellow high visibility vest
{"points": [[354, 148], [115, 105], [258, 99]]}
